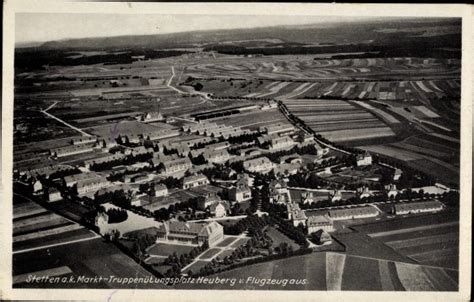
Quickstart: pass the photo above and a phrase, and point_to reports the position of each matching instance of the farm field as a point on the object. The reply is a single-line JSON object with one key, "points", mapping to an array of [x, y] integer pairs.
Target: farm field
{"points": [[360, 244], [334, 271], [35, 227], [90, 258], [411, 79], [432, 153], [338, 120], [289, 67], [428, 239]]}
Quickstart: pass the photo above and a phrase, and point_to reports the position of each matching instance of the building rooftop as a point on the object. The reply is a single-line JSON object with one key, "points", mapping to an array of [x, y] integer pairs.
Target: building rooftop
{"points": [[418, 205]]}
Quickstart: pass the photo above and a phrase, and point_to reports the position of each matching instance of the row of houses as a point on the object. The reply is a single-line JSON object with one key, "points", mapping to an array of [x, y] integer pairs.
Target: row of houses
{"points": [[214, 130], [45, 171], [103, 160]]}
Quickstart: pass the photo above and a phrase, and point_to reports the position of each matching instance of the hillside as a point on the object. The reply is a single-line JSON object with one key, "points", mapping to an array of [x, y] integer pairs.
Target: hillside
{"points": [[331, 33]]}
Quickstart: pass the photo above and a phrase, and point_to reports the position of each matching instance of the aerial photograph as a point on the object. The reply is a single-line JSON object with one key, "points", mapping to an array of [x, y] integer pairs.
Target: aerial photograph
{"points": [[236, 152]]}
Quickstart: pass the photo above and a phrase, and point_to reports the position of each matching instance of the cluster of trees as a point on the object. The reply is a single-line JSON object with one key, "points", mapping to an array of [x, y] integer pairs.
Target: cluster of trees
{"points": [[244, 138], [259, 241], [411, 47], [141, 242], [117, 215], [292, 232], [117, 197], [177, 263], [35, 59], [210, 269], [164, 214], [411, 178], [116, 176], [249, 222], [113, 235], [307, 180], [451, 199], [171, 182], [219, 172]]}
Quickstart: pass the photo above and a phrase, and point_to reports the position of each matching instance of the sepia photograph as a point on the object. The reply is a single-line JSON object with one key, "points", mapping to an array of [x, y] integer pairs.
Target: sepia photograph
{"points": [[277, 151]]}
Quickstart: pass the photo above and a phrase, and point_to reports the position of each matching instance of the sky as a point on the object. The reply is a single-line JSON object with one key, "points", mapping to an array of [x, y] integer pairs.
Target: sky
{"points": [[41, 27]]}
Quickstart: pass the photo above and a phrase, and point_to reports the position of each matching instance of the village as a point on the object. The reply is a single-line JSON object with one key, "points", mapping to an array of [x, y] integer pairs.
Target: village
{"points": [[173, 197], [328, 153]]}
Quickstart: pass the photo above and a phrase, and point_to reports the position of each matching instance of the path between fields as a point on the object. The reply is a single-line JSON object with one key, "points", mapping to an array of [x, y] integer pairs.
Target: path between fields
{"points": [[56, 244], [54, 104], [222, 249], [413, 229], [204, 96], [65, 123]]}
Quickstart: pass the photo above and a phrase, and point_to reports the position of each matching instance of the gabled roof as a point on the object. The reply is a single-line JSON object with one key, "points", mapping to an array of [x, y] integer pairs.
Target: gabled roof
{"points": [[194, 178], [224, 203], [418, 205]]}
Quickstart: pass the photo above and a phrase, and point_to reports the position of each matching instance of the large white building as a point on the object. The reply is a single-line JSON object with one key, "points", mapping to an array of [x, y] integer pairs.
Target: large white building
{"points": [[160, 190], [84, 140], [215, 156], [319, 222], [281, 143], [260, 165], [353, 213], [91, 185], [240, 192], [364, 159], [190, 233], [195, 181], [176, 165], [295, 214], [278, 128]]}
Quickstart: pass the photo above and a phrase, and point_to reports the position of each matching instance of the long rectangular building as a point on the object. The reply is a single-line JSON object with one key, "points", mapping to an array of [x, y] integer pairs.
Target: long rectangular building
{"points": [[71, 150], [418, 207], [353, 213]]}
